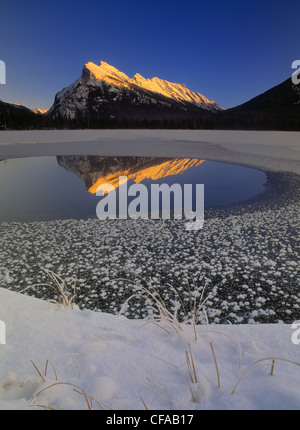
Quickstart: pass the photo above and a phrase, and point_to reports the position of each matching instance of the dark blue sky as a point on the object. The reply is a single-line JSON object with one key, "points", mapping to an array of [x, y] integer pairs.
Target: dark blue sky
{"points": [[229, 51]]}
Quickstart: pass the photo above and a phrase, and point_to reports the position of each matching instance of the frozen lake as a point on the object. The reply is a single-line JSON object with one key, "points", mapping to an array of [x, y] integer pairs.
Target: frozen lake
{"points": [[53, 188], [246, 257]]}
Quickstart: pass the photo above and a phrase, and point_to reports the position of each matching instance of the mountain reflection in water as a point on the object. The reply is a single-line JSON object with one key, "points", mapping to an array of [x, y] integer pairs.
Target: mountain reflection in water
{"points": [[96, 170], [64, 187]]}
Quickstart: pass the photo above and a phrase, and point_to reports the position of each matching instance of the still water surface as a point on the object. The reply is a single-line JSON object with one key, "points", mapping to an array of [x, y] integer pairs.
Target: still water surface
{"points": [[48, 188]]}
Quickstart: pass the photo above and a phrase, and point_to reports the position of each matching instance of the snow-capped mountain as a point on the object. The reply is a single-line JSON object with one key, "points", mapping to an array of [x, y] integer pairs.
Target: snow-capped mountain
{"points": [[104, 97], [104, 92], [39, 111], [171, 90]]}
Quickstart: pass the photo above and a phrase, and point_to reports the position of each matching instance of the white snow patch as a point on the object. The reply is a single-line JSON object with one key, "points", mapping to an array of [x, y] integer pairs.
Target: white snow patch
{"points": [[114, 362]]}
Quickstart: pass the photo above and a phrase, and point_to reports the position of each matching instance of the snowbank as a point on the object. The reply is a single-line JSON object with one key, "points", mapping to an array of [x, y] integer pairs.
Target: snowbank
{"points": [[95, 360]]}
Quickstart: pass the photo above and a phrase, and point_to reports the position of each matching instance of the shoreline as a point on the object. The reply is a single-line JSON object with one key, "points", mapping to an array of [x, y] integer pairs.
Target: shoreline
{"points": [[274, 151], [281, 188]]}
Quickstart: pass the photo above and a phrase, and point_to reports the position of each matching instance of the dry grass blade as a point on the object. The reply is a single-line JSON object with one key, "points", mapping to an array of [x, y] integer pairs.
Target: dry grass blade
{"points": [[154, 379], [65, 298], [194, 399], [60, 286], [156, 292], [216, 364], [191, 365], [251, 367], [194, 309], [88, 399], [38, 371], [173, 323], [91, 399], [190, 298], [158, 325], [157, 300], [171, 318], [76, 388], [125, 303], [49, 407], [145, 406], [272, 367], [46, 369], [102, 405], [180, 299], [165, 361], [152, 389], [158, 393], [189, 385]]}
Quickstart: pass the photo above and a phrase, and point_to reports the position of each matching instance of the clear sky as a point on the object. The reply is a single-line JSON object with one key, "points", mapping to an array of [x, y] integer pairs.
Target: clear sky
{"points": [[229, 51]]}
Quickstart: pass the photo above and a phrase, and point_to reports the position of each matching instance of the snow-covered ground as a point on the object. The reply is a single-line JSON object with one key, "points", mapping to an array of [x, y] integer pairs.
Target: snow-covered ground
{"points": [[276, 151], [96, 360], [65, 358]]}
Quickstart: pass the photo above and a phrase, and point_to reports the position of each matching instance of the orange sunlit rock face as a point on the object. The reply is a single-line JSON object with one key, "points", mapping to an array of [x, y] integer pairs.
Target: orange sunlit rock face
{"points": [[111, 75], [170, 167]]}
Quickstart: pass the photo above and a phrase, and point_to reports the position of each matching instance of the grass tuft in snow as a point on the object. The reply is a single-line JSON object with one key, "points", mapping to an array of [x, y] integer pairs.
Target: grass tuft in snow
{"points": [[46, 369], [66, 299], [89, 399], [161, 312]]}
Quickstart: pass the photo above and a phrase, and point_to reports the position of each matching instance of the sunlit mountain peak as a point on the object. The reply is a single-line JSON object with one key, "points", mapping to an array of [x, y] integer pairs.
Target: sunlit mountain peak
{"points": [[179, 92], [106, 72]]}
